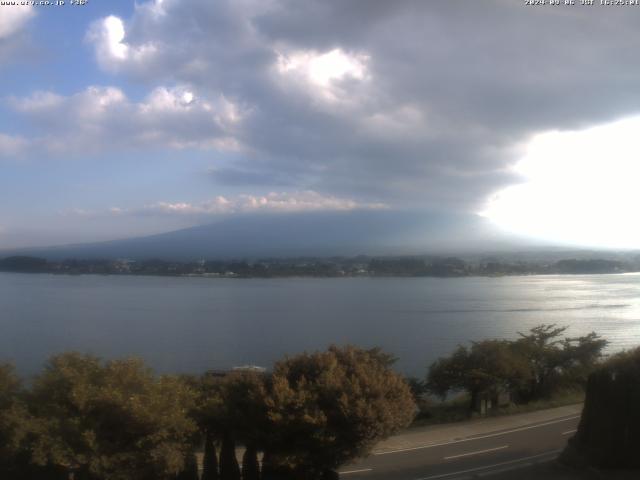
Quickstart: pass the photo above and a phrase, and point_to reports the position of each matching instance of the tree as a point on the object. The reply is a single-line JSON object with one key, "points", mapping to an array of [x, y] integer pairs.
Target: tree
{"points": [[554, 361], [229, 468], [23, 264], [582, 356], [329, 407], [210, 459], [190, 470], [537, 364], [488, 367], [15, 425], [541, 348], [250, 467], [232, 408], [112, 420]]}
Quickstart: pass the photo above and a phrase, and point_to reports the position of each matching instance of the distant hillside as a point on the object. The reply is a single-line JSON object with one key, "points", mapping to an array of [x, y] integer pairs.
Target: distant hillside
{"points": [[290, 235]]}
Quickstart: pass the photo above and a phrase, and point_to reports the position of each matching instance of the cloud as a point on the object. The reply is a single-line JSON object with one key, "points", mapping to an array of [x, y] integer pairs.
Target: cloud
{"points": [[14, 42], [578, 188], [112, 51], [12, 146], [103, 119], [14, 18], [322, 74], [272, 202], [419, 104]]}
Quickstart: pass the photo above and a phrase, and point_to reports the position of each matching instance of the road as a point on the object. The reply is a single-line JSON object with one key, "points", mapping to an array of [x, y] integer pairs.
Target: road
{"points": [[470, 457]]}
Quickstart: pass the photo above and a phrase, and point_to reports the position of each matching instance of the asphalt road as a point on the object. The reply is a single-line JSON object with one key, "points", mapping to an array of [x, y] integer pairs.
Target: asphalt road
{"points": [[470, 457]]}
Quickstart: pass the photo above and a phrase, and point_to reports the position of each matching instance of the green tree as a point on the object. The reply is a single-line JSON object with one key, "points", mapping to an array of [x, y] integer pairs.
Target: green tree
{"points": [[582, 356], [15, 425], [537, 364], [555, 361], [541, 347], [329, 407], [112, 420], [488, 367], [232, 408]]}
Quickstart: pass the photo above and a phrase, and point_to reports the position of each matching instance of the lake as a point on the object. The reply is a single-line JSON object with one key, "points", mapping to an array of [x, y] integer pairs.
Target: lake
{"points": [[193, 324]]}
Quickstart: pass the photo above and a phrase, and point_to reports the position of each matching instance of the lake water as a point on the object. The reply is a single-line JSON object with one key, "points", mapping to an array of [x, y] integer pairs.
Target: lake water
{"points": [[193, 324]]}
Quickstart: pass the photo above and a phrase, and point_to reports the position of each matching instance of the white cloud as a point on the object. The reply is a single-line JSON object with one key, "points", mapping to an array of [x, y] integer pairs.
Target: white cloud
{"points": [[282, 202], [324, 68], [288, 202], [102, 119], [36, 102], [112, 51], [322, 73], [14, 18]]}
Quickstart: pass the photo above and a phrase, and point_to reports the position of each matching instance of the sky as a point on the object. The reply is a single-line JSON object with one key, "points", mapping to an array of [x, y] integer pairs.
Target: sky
{"points": [[120, 119]]}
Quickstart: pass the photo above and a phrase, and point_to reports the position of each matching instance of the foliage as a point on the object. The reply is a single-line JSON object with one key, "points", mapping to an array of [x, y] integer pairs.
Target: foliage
{"points": [[232, 408], [116, 420], [190, 469], [489, 366], [556, 363], [15, 423], [229, 468], [210, 459], [536, 365], [112, 420], [329, 407]]}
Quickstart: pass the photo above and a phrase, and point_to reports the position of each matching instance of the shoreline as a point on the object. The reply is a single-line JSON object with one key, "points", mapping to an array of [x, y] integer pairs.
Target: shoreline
{"points": [[273, 277]]}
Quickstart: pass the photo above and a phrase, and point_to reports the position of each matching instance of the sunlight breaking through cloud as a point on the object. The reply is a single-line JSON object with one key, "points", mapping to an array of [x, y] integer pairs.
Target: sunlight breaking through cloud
{"points": [[580, 188]]}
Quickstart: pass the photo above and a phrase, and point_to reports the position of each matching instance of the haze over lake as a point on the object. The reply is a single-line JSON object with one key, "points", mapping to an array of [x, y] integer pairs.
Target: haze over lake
{"points": [[193, 324]]}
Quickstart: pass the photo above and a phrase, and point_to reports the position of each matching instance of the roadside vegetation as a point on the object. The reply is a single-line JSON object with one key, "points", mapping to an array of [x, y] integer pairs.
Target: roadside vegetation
{"points": [[87, 419], [541, 369]]}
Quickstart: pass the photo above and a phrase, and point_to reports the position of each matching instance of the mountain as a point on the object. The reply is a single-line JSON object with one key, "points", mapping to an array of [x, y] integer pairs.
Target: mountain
{"points": [[291, 235]]}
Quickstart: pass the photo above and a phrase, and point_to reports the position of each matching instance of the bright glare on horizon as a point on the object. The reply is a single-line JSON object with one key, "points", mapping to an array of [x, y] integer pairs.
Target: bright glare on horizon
{"points": [[580, 188]]}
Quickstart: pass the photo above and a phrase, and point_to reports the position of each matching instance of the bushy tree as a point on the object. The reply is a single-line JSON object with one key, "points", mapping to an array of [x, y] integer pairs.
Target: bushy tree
{"points": [[190, 469], [329, 407], [537, 364], [15, 424], [112, 420], [488, 367], [554, 361], [232, 409], [582, 356]]}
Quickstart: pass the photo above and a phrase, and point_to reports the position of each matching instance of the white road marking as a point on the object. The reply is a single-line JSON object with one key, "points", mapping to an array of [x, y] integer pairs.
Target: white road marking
{"points": [[569, 432], [477, 469], [490, 435], [477, 452], [355, 471]]}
